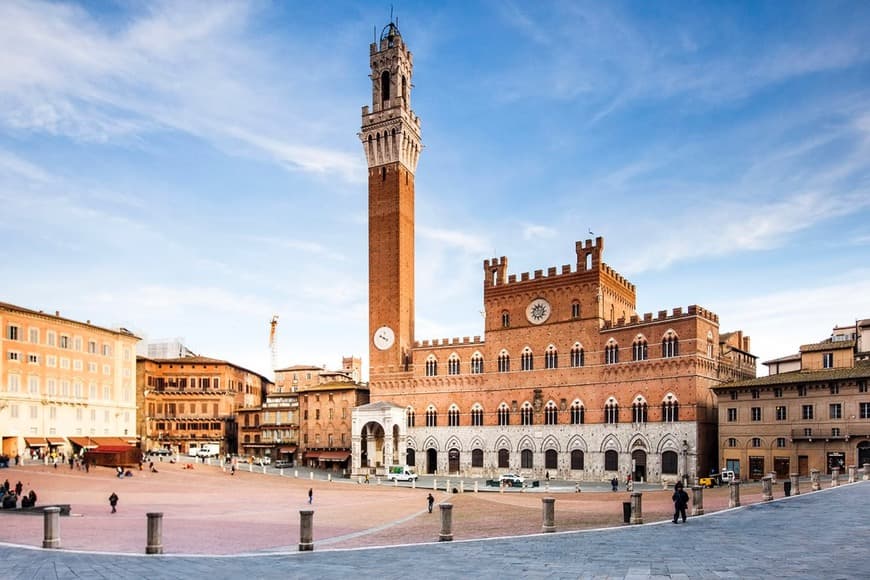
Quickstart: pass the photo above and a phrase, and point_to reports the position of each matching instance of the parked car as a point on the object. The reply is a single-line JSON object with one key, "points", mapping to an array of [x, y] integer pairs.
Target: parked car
{"points": [[160, 451], [282, 463], [265, 460], [511, 479], [711, 481], [728, 476]]}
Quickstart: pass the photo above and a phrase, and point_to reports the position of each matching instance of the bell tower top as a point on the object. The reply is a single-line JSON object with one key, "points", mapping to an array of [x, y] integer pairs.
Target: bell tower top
{"points": [[390, 129]]}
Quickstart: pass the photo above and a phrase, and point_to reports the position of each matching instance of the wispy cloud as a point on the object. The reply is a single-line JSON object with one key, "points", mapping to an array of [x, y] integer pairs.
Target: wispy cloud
{"points": [[471, 243], [191, 68], [533, 231], [301, 246]]}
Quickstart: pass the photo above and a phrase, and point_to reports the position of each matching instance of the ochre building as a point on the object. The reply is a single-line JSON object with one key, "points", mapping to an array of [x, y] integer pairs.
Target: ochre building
{"points": [[189, 402], [811, 412], [65, 385], [569, 380]]}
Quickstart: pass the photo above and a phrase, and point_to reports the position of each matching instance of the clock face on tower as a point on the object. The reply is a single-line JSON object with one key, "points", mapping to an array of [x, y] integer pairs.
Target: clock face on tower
{"points": [[384, 338], [538, 311]]}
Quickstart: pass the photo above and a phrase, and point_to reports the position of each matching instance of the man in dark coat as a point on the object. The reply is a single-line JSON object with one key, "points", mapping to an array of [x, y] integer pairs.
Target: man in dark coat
{"points": [[681, 502], [113, 501]]}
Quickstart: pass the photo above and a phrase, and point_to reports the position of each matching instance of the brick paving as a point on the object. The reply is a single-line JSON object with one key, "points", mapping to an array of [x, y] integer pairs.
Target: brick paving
{"points": [[209, 512]]}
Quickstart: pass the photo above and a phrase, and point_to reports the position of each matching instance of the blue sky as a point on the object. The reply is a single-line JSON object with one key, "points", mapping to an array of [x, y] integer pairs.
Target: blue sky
{"points": [[190, 169]]}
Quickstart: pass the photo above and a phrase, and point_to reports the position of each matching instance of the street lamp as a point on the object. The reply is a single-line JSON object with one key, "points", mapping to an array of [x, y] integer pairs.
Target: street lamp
{"points": [[685, 462]]}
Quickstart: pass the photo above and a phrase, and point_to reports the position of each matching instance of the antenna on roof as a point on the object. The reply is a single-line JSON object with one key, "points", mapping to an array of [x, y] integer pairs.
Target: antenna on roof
{"points": [[591, 233]]}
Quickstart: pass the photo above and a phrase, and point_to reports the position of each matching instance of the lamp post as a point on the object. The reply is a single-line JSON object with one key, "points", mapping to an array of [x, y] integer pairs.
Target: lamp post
{"points": [[685, 462]]}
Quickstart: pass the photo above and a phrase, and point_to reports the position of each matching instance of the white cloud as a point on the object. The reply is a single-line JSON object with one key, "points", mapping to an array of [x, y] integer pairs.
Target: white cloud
{"points": [[471, 243], [532, 231]]}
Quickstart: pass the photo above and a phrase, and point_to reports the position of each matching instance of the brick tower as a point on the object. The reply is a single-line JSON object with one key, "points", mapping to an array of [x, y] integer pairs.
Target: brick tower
{"points": [[390, 136]]}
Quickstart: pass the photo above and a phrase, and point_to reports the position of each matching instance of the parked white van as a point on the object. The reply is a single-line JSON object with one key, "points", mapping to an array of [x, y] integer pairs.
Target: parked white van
{"points": [[728, 476], [401, 473]]}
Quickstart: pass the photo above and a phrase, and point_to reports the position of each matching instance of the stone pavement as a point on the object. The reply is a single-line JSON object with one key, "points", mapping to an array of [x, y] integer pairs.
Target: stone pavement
{"points": [[814, 535]]}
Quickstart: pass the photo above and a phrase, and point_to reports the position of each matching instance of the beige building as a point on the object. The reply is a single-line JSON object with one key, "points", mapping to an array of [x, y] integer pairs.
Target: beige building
{"points": [[811, 412], [64, 384], [189, 402]]}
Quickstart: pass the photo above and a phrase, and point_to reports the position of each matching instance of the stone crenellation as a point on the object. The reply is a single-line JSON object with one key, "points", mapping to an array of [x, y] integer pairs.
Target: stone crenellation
{"points": [[465, 340], [662, 315], [588, 258]]}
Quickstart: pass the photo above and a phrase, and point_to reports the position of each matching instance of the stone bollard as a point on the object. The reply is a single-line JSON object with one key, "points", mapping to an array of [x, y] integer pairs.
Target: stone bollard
{"points": [[835, 477], [306, 530], [311, 475], [296, 473], [447, 489], [697, 500], [766, 488], [395, 483], [446, 534], [795, 483], [329, 477], [475, 487], [814, 479], [636, 508], [734, 500], [549, 505], [462, 486], [378, 481], [264, 469], [852, 469], [250, 468], [281, 472], [154, 543], [51, 527], [866, 475], [414, 483], [434, 484]]}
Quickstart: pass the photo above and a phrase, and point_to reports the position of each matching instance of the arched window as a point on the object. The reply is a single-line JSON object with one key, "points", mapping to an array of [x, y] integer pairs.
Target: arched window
{"points": [[504, 458], [476, 364], [639, 411], [477, 416], [780, 442], [611, 412], [575, 309], [412, 417], [611, 460], [577, 459], [385, 85], [670, 410], [453, 416], [526, 414], [551, 414], [577, 356], [670, 346], [504, 415], [404, 91], [578, 413], [453, 364], [669, 462], [505, 319], [431, 417], [639, 349], [504, 362], [551, 358], [756, 442], [551, 459], [732, 442], [431, 366], [709, 344], [611, 354], [477, 458], [526, 360], [526, 456]]}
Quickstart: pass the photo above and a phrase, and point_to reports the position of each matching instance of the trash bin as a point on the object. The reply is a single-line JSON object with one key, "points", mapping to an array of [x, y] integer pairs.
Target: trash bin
{"points": [[786, 487], [626, 512]]}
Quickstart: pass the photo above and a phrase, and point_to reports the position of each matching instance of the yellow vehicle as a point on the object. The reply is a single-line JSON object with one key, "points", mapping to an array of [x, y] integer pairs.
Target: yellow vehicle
{"points": [[711, 481]]}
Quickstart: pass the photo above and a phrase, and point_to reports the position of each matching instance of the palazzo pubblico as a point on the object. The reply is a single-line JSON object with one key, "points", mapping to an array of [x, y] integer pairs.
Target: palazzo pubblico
{"points": [[569, 380]]}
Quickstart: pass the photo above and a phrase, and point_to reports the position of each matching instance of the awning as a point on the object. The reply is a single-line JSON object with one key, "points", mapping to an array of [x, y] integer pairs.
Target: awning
{"points": [[56, 441], [288, 449], [257, 445], [332, 455], [94, 442], [35, 441], [85, 442]]}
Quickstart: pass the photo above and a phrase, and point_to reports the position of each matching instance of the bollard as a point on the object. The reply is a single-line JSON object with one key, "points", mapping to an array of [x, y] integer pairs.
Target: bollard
{"points": [[328, 477], [462, 487], [414, 483], [852, 469], [636, 511], [311, 475], [446, 534], [734, 500], [281, 472], [814, 478], [475, 487], [434, 484], [154, 543], [866, 475], [766, 488], [250, 468], [697, 500], [795, 483], [447, 489], [296, 473], [378, 481], [264, 469], [549, 505], [306, 530], [395, 483], [51, 527], [835, 477]]}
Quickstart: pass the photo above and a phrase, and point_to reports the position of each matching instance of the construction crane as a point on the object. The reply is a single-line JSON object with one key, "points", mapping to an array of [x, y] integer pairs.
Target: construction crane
{"points": [[273, 326]]}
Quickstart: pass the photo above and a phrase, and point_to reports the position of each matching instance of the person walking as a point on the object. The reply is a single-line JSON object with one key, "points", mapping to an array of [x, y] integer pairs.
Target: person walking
{"points": [[681, 502], [113, 501], [310, 495], [19, 487], [614, 484], [431, 501]]}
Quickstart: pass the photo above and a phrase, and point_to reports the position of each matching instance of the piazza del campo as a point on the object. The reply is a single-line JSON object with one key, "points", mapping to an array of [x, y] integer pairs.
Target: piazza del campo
{"points": [[554, 444]]}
